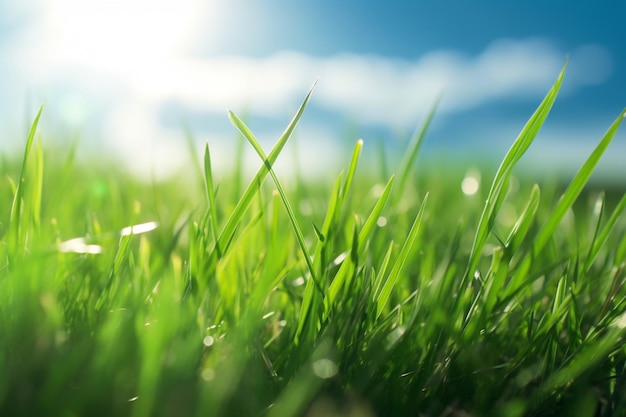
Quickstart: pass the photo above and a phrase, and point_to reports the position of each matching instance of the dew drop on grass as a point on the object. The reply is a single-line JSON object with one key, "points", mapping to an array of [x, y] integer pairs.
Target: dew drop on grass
{"points": [[382, 221], [325, 368], [208, 341], [139, 228]]}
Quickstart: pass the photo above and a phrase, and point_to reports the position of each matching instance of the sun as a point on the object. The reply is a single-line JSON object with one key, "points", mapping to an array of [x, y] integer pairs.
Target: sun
{"points": [[117, 33]]}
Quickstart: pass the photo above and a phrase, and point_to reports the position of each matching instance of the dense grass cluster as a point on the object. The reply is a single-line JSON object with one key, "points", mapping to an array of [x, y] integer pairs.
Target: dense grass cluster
{"points": [[357, 297]]}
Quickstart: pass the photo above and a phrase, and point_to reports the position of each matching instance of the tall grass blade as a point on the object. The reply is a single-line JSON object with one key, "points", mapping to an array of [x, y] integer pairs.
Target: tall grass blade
{"points": [[358, 246], [372, 219], [500, 184], [575, 187], [311, 306], [602, 237], [352, 169], [36, 192], [410, 156], [210, 194], [15, 220], [311, 300], [385, 293], [380, 276], [239, 124], [523, 223], [244, 202], [328, 227]]}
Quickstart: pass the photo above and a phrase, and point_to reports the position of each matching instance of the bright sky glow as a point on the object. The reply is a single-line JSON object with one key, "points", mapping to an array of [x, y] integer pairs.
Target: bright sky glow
{"points": [[111, 68], [111, 34]]}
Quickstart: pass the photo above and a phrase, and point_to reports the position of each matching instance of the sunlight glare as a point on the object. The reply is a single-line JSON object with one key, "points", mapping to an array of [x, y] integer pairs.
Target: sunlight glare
{"points": [[78, 245], [471, 182], [111, 33], [139, 228]]}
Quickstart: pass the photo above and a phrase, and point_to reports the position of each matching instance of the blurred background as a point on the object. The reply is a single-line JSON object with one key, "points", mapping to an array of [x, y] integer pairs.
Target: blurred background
{"points": [[127, 76]]}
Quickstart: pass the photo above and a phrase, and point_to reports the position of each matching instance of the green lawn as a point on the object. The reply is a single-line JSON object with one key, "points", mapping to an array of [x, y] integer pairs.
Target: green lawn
{"points": [[355, 296]]}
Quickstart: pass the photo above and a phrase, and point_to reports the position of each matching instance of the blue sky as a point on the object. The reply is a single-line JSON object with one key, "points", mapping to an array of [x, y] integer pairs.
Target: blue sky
{"points": [[127, 75]]}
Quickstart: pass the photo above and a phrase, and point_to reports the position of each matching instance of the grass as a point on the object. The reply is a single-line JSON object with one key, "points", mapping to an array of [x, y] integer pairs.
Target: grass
{"points": [[355, 297]]}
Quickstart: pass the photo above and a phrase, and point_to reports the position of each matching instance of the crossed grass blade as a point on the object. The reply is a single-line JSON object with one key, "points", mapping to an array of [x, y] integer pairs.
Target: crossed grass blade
{"points": [[246, 199], [241, 126]]}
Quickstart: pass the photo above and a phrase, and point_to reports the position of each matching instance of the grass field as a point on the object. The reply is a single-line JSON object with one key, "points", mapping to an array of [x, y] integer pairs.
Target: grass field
{"points": [[356, 296]]}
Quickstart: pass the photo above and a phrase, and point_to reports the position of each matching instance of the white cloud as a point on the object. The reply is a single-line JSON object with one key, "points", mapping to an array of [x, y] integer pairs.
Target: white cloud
{"points": [[563, 150], [373, 89]]}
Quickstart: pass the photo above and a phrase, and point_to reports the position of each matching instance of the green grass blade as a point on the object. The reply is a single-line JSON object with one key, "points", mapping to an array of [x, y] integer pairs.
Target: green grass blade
{"points": [[244, 202], [311, 306], [340, 193], [521, 226], [372, 219], [311, 300], [410, 156], [575, 187], [239, 124], [380, 276], [15, 220], [588, 355], [210, 194], [36, 193], [363, 237], [385, 293], [601, 238], [500, 183], [328, 227], [352, 169]]}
